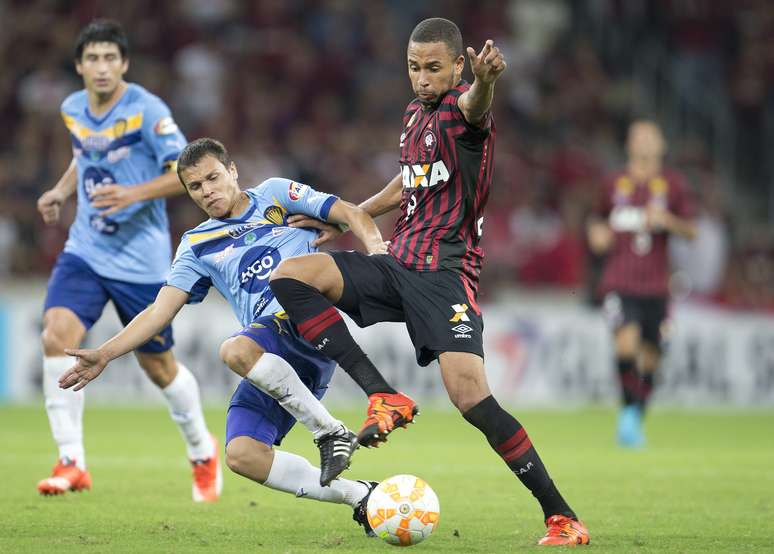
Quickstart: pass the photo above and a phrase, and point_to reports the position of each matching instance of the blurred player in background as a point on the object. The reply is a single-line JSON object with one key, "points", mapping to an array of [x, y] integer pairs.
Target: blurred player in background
{"points": [[638, 209], [235, 251], [429, 278], [125, 146]]}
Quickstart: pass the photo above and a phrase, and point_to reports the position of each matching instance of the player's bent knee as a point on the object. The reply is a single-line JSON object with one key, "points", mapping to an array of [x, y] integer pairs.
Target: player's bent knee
{"points": [[289, 268], [246, 456], [53, 342], [61, 329], [237, 356]]}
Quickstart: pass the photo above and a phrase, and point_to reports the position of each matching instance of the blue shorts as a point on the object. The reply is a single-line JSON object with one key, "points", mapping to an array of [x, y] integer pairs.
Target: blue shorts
{"points": [[75, 286], [252, 412]]}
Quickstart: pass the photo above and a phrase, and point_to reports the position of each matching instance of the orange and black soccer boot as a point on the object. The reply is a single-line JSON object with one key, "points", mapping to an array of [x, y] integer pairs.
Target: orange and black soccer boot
{"points": [[564, 531], [66, 476], [386, 411]]}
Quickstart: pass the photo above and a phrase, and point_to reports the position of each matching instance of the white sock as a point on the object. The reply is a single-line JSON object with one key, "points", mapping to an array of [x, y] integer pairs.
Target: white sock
{"points": [[64, 409], [185, 407], [294, 474], [276, 377]]}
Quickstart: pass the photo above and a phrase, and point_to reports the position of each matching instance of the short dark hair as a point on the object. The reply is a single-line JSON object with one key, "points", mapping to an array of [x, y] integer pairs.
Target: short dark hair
{"points": [[438, 29], [102, 30], [196, 150]]}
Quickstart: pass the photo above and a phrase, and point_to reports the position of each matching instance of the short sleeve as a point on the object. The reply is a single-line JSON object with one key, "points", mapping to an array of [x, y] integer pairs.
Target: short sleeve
{"points": [[298, 198], [451, 112], [187, 274], [161, 133]]}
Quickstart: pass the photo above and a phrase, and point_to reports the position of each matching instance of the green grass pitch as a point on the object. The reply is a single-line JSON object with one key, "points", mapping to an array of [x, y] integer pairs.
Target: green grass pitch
{"points": [[705, 483]]}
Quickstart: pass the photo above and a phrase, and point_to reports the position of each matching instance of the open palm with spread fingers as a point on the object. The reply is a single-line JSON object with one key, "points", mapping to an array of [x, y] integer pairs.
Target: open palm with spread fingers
{"points": [[488, 64], [89, 365]]}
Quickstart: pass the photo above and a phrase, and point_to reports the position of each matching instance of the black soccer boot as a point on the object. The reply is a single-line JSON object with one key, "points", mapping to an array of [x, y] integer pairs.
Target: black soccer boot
{"points": [[360, 515], [336, 449]]}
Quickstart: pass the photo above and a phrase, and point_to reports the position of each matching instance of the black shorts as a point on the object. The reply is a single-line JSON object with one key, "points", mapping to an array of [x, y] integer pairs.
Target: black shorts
{"points": [[650, 312], [440, 311]]}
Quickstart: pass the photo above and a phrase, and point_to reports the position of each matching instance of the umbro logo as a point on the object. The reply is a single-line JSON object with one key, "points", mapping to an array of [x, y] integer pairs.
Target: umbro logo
{"points": [[462, 328]]}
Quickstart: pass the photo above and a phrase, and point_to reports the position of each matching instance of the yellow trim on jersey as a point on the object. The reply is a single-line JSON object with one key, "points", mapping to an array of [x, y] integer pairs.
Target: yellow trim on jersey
{"points": [[121, 127], [207, 235]]}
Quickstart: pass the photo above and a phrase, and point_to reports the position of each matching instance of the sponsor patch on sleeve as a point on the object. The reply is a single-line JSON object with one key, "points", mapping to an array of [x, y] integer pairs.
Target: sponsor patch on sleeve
{"points": [[297, 190], [165, 126]]}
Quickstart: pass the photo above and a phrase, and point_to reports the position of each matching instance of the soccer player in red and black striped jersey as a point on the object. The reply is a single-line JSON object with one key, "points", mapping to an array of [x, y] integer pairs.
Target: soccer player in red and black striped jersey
{"points": [[638, 209], [429, 276]]}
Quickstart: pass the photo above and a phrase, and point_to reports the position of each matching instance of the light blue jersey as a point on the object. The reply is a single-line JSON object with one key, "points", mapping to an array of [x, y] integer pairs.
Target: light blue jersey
{"points": [[237, 255], [136, 141]]}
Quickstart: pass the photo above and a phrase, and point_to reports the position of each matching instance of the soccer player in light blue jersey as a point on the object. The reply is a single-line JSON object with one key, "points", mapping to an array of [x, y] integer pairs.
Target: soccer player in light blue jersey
{"points": [[125, 146], [284, 376]]}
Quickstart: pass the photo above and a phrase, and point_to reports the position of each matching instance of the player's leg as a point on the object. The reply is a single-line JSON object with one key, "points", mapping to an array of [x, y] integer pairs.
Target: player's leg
{"points": [[74, 301], [261, 354], [624, 315], [308, 287], [254, 423], [655, 333], [650, 361], [628, 343], [465, 381]]}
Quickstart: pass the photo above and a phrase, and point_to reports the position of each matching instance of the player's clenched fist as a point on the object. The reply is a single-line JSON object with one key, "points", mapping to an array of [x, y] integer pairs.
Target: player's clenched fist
{"points": [[49, 205], [488, 64]]}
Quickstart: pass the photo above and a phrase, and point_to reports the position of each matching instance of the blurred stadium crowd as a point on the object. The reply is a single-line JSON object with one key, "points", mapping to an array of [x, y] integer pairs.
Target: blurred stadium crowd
{"points": [[315, 91]]}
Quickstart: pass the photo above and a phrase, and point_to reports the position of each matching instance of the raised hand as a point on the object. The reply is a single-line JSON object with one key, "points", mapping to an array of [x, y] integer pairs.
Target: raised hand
{"points": [[488, 64], [112, 198], [89, 365]]}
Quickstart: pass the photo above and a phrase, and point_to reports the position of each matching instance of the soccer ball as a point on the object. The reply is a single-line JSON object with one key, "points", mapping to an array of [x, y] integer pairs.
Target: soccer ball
{"points": [[403, 510]]}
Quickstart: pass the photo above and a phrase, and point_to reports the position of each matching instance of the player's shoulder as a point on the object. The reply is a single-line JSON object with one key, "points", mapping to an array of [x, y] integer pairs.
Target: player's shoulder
{"points": [[143, 98], [278, 186], [75, 102]]}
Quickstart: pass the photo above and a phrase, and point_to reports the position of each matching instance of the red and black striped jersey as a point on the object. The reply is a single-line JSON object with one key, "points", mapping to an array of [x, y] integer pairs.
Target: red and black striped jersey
{"points": [[638, 263], [446, 165]]}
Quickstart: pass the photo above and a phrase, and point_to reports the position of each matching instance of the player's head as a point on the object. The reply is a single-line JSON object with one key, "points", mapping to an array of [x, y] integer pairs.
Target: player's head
{"points": [[209, 176], [102, 56], [645, 142], [435, 58]]}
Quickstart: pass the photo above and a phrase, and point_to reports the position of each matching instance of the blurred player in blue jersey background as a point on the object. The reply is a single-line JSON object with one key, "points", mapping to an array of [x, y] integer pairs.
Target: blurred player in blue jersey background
{"points": [[125, 147]]}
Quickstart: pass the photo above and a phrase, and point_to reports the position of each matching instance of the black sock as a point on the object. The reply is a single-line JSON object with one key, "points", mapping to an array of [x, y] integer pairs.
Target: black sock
{"points": [[646, 388], [629, 380], [320, 323], [508, 438]]}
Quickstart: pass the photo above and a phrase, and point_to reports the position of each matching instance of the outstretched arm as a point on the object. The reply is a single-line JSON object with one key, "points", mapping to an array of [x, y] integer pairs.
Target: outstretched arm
{"points": [[140, 330], [386, 199], [486, 66]]}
